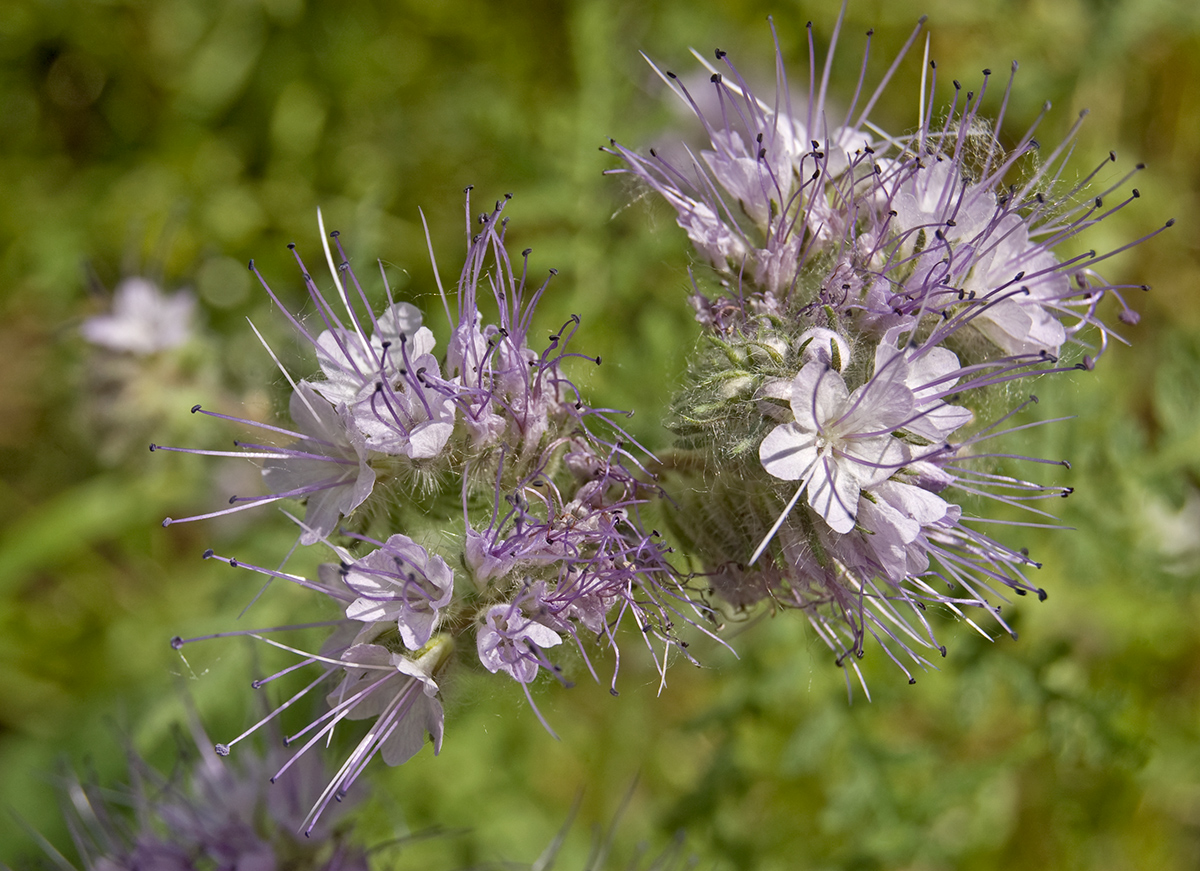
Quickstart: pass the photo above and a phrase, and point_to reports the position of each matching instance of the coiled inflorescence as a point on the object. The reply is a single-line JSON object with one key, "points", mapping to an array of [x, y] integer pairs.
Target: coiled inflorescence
{"points": [[469, 494], [880, 297]]}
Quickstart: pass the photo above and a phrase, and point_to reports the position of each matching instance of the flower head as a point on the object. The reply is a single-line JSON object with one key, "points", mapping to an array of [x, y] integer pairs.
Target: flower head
{"points": [[880, 298], [475, 495], [838, 444], [400, 581]]}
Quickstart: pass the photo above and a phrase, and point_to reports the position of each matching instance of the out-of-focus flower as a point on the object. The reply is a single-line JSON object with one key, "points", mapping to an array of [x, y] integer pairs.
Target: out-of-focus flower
{"points": [[139, 355], [144, 320], [210, 814]]}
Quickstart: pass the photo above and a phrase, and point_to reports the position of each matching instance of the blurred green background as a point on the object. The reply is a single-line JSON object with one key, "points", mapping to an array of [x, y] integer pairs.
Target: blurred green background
{"points": [[179, 139]]}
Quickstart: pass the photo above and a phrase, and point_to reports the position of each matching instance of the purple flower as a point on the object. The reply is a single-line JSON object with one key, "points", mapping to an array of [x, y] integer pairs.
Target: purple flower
{"points": [[328, 468], [841, 443], [917, 226], [400, 581], [571, 568], [838, 444], [399, 692], [351, 363], [766, 196], [510, 642]]}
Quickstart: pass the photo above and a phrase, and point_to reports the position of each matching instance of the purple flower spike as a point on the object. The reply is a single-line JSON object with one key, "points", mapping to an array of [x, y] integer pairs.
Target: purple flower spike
{"points": [[211, 813], [510, 642]]}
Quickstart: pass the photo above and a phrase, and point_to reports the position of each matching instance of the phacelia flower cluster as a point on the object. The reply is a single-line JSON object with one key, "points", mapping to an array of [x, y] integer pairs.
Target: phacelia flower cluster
{"points": [[471, 501], [880, 300]]}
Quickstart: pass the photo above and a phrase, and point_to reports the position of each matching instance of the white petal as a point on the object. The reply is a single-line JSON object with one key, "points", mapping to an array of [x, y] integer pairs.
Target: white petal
{"points": [[937, 424], [424, 717], [416, 627], [873, 460], [542, 636], [924, 507], [818, 395], [788, 451], [399, 319], [879, 406], [833, 493], [818, 344], [427, 439], [371, 610], [423, 342]]}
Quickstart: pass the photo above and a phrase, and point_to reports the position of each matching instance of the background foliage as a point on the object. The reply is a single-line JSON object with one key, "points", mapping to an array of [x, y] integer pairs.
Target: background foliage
{"points": [[178, 139]]}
